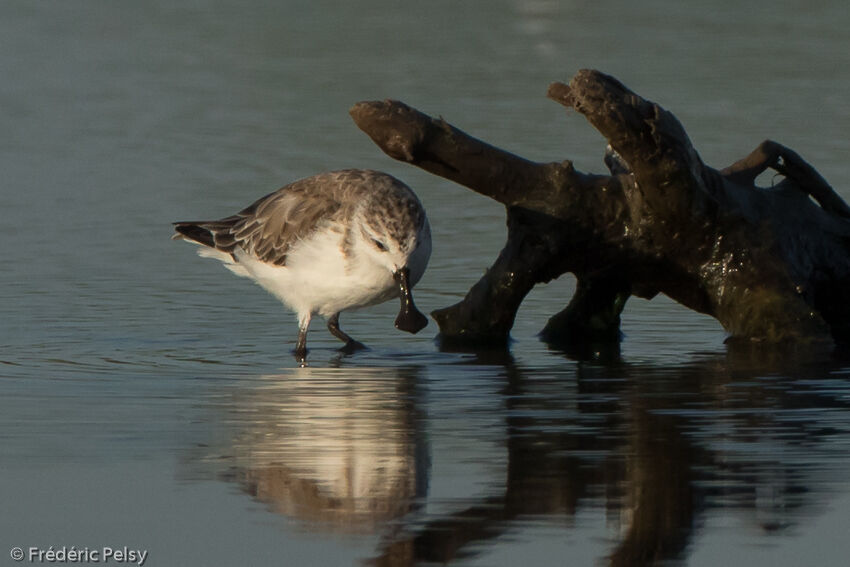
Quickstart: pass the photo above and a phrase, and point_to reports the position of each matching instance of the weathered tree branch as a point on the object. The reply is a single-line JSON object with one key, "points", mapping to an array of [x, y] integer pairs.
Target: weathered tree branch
{"points": [[769, 154], [408, 135], [769, 264], [434, 145], [668, 171]]}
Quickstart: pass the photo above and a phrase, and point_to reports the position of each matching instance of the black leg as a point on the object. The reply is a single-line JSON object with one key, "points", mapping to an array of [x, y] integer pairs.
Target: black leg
{"points": [[301, 344], [350, 344]]}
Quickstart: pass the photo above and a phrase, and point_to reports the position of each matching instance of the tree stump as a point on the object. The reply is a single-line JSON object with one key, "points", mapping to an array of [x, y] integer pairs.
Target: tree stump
{"points": [[770, 264]]}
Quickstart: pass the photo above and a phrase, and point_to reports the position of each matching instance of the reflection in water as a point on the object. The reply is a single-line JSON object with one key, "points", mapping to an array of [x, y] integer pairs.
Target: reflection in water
{"points": [[340, 449], [660, 450], [664, 447]]}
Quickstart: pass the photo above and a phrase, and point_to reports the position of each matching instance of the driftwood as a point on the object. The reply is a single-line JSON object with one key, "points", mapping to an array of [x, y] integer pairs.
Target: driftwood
{"points": [[770, 264]]}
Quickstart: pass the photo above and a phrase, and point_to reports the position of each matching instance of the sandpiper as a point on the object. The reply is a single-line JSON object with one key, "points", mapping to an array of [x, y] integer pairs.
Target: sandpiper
{"points": [[326, 244]]}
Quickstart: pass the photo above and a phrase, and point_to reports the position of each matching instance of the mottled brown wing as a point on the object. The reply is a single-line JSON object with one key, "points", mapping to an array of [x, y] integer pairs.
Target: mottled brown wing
{"points": [[269, 227]]}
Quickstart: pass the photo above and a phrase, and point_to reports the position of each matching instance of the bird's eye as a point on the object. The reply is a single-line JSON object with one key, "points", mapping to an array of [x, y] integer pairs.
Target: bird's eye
{"points": [[379, 245]]}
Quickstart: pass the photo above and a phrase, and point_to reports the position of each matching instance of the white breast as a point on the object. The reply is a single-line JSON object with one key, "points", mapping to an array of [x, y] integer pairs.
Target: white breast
{"points": [[319, 279]]}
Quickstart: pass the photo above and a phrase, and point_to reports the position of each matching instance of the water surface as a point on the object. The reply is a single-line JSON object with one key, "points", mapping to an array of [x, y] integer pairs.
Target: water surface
{"points": [[149, 399]]}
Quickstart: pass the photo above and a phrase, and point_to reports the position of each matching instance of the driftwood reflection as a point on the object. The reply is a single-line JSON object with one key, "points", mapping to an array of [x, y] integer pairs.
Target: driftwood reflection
{"points": [[658, 504], [635, 437]]}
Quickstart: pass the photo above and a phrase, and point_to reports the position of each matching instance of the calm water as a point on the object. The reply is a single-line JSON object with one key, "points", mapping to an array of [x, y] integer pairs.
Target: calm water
{"points": [[149, 399]]}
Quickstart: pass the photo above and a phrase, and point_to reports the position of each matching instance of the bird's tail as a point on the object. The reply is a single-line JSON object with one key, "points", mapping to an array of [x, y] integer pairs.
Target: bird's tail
{"points": [[194, 232], [213, 234], [216, 239]]}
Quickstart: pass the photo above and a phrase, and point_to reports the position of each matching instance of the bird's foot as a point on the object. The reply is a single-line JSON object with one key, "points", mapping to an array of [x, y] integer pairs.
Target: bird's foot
{"points": [[352, 346], [300, 357]]}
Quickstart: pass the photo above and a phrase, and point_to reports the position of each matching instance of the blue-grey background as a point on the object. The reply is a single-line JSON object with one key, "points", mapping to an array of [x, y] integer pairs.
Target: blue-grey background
{"points": [[148, 398]]}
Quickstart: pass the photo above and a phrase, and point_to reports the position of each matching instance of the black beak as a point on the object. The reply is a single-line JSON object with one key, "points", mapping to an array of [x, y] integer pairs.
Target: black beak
{"points": [[409, 318]]}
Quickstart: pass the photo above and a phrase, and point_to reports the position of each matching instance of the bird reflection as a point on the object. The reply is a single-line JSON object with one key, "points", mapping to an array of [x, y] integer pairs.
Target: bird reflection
{"points": [[339, 449], [655, 449]]}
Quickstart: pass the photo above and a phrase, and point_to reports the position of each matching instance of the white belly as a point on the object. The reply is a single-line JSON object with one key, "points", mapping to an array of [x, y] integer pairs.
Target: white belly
{"points": [[319, 279]]}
